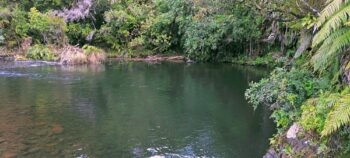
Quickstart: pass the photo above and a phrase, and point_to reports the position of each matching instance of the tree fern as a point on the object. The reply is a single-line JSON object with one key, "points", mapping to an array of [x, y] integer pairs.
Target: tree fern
{"points": [[334, 36], [339, 116], [335, 22], [332, 7], [330, 48]]}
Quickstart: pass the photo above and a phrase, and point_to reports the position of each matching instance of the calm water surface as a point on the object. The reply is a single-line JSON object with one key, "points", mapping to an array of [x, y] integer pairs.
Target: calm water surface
{"points": [[130, 109]]}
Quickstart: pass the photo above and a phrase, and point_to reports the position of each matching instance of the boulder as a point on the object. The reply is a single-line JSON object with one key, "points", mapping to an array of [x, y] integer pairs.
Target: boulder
{"points": [[293, 131]]}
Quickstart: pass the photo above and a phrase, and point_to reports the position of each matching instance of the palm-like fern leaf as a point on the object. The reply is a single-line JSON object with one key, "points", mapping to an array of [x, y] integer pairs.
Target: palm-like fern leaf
{"points": [[339, 116], [335, 22], [332, 7], [330, 48]]}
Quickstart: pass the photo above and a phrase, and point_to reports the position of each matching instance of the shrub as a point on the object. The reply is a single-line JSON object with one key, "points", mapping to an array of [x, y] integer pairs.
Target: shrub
{"points": [[88, 49], [314, 113], [94, 55], [70, 55], [202, 40], [50, 28], [78, 33], [285, 91], [40, 52]]}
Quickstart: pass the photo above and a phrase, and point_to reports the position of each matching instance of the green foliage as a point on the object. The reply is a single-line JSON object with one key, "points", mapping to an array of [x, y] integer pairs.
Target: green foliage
{"points": [[333, 37], [46, 5], [19, 23], [314, 113], [165, 30], [122, 24], [284, 92], [340, 114], [50, 28], [305, 22], [13, 25], [77, 33], [88, 49], [39, 21], [158, 37], [326, 113], [40, 52], [202, 40], [267, 60], [283, 118], [284, 89]]}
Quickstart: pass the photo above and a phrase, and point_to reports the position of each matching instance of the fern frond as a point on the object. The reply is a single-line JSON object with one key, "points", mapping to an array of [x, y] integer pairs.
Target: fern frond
{"points": [[335, 22], [335, 35], [332, 7], [330, 48], [340, 43], [339, 116]]}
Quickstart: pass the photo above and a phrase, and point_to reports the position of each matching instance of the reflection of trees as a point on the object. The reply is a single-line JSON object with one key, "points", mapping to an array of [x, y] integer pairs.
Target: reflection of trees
{"points": [[226, 84]]}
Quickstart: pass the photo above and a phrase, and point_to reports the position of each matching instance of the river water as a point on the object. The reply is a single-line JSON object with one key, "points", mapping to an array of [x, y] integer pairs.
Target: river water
{"points": [[130, 109]]}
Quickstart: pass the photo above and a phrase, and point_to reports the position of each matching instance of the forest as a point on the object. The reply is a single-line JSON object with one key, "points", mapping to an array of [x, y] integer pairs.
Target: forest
{"points": [[306, 42]]}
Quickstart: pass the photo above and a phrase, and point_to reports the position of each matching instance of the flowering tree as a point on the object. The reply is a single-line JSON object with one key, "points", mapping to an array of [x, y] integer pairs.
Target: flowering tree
{"points": [[79, 11]]}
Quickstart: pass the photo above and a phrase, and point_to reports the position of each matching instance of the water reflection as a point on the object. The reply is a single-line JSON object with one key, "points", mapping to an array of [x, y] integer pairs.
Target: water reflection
{"points": [[132, 110]]}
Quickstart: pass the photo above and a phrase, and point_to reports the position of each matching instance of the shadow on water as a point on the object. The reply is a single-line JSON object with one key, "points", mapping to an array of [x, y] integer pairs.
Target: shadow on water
{"points": [[131, 109]]}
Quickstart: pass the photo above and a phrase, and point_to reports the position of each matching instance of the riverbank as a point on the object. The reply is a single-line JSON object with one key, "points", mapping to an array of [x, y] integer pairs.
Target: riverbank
{"points": [[268, 60], [7, 57], [311, 112]]}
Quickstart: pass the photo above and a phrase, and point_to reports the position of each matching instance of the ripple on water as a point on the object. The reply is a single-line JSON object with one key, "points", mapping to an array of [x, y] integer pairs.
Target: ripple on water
{"points": [[23, 64]]}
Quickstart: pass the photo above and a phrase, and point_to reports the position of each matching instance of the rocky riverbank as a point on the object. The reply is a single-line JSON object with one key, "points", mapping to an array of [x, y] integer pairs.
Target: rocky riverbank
{"points": [[7, 57]]}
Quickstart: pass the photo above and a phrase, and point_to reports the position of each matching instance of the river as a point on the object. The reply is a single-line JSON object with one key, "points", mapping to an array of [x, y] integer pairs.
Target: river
{"points": [[130, 109]]}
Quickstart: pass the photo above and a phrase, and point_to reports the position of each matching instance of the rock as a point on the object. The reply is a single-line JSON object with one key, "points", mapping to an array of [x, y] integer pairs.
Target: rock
{"points": [[293, 131], [271, 154], [189, 61]]}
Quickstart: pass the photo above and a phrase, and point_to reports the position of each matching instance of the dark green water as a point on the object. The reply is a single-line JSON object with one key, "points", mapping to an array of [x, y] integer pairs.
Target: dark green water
{"points": [[130, 110]]}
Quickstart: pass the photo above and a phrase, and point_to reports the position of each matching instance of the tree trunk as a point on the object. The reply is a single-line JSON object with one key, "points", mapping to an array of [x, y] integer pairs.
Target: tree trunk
{"points": [[306, 39]]}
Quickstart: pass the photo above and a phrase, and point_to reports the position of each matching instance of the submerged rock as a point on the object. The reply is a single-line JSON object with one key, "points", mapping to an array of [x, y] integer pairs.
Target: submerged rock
{"points": [[271, 154]]}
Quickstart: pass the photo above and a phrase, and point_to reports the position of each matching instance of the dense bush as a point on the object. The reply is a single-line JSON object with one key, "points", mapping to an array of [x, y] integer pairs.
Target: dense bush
{"points": [[203, 31], [41, 52], [78, 33], [51, 28], [284, 92], [94, 55], [202, 40]]}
